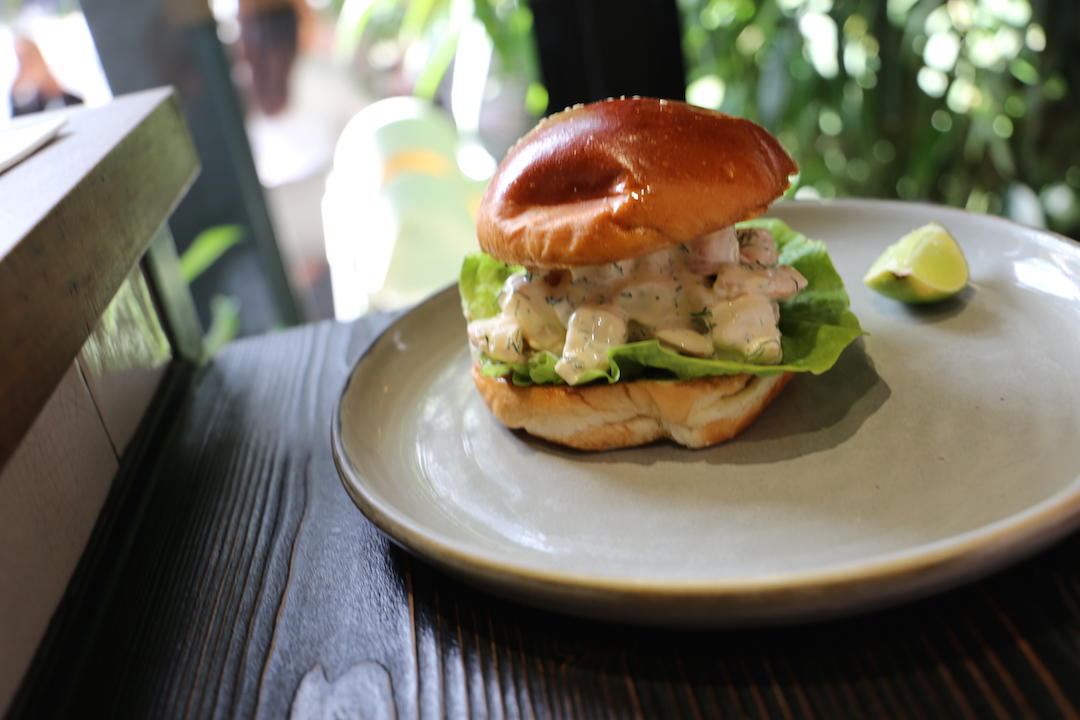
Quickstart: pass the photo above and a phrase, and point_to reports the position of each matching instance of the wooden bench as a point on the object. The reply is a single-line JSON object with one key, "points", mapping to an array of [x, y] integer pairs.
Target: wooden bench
{"points": [[98, 329]]}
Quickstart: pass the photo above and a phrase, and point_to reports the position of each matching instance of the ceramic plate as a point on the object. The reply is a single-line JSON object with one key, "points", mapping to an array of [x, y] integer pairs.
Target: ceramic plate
{"points": [[942, 446]]}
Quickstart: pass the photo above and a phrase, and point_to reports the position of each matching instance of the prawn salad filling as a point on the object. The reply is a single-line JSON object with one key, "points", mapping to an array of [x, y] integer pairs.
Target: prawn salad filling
{"points": [[757, 298]]}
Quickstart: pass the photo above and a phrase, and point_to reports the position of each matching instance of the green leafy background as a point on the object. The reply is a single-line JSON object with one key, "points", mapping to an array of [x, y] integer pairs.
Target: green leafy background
{"points": [[964, 102]]}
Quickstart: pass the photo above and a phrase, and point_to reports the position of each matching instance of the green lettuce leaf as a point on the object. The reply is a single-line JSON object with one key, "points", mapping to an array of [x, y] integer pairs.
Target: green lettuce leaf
{"points": [[816, 325], [481, 279]]}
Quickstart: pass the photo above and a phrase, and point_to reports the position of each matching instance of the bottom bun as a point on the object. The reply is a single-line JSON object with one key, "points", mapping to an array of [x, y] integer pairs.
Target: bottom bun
{"points": [[695, 413]]}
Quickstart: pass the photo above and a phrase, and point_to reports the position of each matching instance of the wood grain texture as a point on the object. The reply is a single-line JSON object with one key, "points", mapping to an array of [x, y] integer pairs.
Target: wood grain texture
{"points": [[74, 219], [254, 588]]}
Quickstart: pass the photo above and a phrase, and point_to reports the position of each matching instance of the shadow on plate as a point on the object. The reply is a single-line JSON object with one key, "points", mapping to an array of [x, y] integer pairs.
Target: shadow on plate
{"points": [[813, 414], [929, 313]]}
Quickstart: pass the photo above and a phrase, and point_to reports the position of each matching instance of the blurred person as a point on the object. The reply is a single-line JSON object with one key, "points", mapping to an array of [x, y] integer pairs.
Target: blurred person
{"points": [[298, 98], [35, 87], [272, 32]]}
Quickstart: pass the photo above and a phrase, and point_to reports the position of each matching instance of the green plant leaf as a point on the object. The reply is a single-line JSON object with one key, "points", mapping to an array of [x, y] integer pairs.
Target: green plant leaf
{"points": [[419, 16], [427, 84], [207, 247], [351, 23], [484, 10], [224, 324]]}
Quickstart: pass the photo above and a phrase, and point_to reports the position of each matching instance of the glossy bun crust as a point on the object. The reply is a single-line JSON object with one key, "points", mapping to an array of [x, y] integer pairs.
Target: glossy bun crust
{"points": [[694, 413], [618, 179]]}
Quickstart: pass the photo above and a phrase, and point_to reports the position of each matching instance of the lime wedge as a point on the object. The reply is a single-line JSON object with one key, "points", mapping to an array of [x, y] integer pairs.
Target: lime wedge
{"points": [[924, 266]]}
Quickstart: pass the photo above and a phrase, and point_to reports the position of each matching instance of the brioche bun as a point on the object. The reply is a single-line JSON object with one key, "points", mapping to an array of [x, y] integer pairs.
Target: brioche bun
{"points": [[619, 179], [695, 413]]}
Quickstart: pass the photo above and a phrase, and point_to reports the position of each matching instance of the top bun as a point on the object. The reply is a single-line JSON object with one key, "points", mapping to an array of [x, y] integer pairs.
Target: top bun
{"points": [[619, 179]]}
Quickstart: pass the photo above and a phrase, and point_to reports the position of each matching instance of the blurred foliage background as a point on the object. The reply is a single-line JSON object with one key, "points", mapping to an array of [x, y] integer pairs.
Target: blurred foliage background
{"points": [[422, 38], [970, 103], [475, 53]]}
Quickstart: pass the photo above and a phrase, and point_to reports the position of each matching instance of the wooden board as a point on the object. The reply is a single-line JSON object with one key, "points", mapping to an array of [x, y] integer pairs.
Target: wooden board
{"points": [[74, 219], [125, 358], [248, 585], [50, 495]]}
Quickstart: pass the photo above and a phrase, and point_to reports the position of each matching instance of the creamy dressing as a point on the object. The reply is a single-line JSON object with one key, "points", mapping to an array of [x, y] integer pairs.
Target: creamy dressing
{"points": [[539, 324], [591, 331], [715, 295], [499, 337], [746, 326]]}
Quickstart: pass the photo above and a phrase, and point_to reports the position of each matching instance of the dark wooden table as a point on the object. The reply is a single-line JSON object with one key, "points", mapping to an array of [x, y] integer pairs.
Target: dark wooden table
{"points": [[231, 576]]}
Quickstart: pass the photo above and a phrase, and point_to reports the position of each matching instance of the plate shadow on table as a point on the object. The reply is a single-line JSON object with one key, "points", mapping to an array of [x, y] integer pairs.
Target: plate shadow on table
{"points": [[813, 414]]}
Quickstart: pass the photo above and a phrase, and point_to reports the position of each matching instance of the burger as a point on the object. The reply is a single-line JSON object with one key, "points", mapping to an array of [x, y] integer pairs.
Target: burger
{"points": [[620, 297]]}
